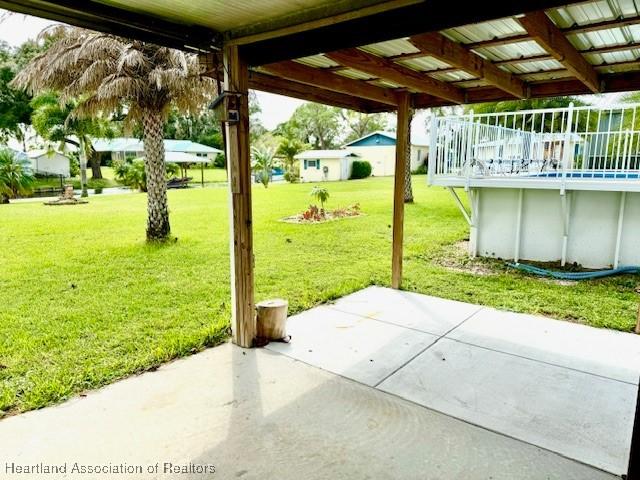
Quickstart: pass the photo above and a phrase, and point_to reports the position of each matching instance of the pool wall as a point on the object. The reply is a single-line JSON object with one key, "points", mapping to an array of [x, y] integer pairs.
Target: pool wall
{"points": [[596, 229]]}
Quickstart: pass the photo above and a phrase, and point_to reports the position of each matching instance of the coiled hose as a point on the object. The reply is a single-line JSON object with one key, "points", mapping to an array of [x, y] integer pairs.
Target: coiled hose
{"points": [[573, 275]]}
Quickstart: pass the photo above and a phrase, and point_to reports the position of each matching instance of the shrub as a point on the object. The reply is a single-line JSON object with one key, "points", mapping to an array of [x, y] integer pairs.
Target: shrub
{"points": [[421, 170], [220, 161], [360, 169]]}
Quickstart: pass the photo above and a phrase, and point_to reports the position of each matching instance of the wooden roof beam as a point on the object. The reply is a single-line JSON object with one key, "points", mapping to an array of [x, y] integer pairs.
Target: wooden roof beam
{"points": [[317, 77], [437, 45], [550, 37], [387, 70], [281, 86]]}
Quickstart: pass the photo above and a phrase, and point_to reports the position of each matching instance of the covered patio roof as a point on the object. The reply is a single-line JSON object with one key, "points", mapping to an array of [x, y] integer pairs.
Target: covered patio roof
{"points": [[361, 54]]}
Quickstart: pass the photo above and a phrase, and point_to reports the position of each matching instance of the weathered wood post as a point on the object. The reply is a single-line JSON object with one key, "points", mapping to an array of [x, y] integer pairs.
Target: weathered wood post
{"points": [[243, 320], [402, 141]]}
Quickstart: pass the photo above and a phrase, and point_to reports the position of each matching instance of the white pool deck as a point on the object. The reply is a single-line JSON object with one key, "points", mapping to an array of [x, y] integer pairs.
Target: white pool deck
{"points": [[381, 384]]}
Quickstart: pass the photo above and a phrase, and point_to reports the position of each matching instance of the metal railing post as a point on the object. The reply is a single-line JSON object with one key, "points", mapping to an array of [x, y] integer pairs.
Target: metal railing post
{"points": [[469, 149], [433, 149], [566, 153]]}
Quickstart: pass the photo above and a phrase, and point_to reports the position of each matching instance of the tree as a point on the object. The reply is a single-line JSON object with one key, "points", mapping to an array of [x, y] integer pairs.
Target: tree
{"points": [[105, 72], [532, 104], [321, 194], [15, 112], [315, 124], [56, 122], [361, 124], [288, 148], [262, 162], [15, 176]]}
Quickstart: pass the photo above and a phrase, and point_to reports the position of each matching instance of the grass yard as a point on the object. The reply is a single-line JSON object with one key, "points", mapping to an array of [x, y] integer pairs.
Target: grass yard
{"points": [[86, 301]]}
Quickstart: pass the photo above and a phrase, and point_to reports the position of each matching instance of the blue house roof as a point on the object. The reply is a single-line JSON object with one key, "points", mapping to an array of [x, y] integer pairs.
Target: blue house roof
{"points": [[374, 139], [380, 138]]}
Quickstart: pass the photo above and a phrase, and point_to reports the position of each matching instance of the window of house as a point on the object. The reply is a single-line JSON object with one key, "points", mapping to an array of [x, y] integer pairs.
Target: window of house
{"points": [[312, 163]]}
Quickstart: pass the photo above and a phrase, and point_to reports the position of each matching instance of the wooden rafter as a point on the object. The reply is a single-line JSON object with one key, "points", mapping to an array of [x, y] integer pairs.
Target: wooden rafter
{"points": [[269, 83], [548, 35], [386, 69], [330, 81], [437, 45]]}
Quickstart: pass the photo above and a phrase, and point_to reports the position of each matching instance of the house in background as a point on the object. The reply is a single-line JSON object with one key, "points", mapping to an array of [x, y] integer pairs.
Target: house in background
{"points": [[325, 165], [49, 162], [122, 148], [379, 149]]}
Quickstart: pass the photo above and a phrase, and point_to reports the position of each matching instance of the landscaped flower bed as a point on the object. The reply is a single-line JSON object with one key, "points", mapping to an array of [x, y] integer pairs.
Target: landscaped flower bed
{"points": [[317, 215]]}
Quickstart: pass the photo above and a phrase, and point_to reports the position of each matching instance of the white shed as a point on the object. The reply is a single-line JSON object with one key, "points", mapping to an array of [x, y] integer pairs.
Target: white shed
{"points": [[325, 165], [49, 162], [379, 149]]}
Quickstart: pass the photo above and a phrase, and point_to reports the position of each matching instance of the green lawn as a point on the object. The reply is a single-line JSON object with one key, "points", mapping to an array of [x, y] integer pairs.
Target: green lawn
{"points": [[86, 301]]}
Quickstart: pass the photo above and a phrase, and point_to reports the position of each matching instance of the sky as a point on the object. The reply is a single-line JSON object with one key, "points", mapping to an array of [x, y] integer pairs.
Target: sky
{"points": [[16, 29]]}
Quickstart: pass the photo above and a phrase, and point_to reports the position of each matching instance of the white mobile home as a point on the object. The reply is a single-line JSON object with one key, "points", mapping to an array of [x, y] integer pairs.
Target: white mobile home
{"points": [[48, 162], [325, 165]]}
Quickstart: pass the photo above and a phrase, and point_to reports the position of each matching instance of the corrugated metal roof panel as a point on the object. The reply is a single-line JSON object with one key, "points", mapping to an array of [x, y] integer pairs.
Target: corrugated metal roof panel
{"points": [[355, 74], [454, 76], [585, 13], [424, 63], [535, 66], [391, 48], [612, 57], [505, 27], [318, 61], [511, 50]]}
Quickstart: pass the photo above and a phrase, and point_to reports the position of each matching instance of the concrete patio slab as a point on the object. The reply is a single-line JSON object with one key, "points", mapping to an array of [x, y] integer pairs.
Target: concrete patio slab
{"points": [[599, 351], [579, 415], [254, 414], [353, 346], [407, 309]]}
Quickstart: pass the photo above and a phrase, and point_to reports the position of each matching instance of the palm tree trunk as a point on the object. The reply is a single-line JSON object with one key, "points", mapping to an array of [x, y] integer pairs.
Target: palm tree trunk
{"points": [[158, 227], [82, 154], [408, 190]]}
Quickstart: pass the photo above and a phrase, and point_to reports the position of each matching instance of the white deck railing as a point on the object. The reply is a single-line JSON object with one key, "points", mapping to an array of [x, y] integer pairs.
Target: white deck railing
{"points": [[573, 143]]}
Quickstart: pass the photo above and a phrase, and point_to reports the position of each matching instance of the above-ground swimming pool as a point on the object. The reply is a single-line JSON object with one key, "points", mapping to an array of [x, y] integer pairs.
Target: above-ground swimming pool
{"points": [[545, 185]]}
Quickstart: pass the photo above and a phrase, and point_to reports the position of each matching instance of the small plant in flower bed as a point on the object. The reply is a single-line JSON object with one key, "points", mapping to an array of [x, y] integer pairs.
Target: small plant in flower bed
{"points": [[313, 214]]}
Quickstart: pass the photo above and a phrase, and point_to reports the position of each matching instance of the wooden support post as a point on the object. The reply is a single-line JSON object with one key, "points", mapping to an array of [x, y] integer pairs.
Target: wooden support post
{"points": [[243, 320], [402, 140]]}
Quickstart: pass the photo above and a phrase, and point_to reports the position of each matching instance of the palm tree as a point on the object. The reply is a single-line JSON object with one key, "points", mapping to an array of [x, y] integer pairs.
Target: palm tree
{"points": [[56, 122], [108, 74], [321, 194], [263, 163], [15, 176], [288, 148]]}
